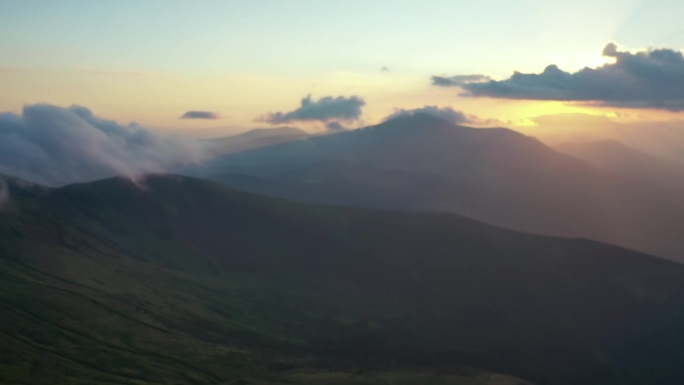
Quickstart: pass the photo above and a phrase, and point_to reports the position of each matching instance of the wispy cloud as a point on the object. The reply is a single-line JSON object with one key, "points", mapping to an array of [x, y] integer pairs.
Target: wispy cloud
{"points": [[645, 79], [81, 71], [458, 80], [325, 109], [200, 115], [54, 146]]}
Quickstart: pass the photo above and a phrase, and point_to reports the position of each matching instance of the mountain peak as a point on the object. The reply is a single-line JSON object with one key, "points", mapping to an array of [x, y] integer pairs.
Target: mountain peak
{"points": [[418, 123], [419, 118]]}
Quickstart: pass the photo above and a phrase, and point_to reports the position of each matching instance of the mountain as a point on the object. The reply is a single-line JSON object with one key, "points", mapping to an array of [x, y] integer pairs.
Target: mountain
{"points": [[170, 279], [256, 138], [495, 175], [663, 139], [617, 157]]}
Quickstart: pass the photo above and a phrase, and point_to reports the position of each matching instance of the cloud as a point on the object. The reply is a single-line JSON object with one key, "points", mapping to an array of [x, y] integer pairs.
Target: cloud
{"points": [[384, 69], [200, 115], [54, 146], [646, 79], [323, 110], [458, 80], [447, 113]]}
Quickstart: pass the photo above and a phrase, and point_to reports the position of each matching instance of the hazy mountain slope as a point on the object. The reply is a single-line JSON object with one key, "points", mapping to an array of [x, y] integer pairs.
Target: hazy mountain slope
{"points": [[495, 175], [419, 143], [660, 139], [480, 170], [179, 279], [615, 156], [344, 183], [253, 139]]}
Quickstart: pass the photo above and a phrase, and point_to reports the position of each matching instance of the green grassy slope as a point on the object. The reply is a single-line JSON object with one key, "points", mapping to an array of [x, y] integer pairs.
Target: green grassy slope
{"points": [[179, 280]]}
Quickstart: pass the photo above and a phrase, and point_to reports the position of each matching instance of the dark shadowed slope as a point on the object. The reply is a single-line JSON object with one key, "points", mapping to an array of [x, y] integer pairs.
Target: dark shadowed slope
{"points": [[495, 175], [180, 280]]}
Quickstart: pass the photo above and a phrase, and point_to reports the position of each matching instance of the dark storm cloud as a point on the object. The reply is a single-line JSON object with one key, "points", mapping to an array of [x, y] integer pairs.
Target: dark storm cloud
{"points": [[199, 115], [646, 79], [55, 146], [447, 113], [458, 80], [324, 109]]}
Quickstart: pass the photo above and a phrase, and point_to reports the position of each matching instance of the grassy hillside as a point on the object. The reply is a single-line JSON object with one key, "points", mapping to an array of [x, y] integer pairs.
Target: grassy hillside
{"points": [[179, 280]]}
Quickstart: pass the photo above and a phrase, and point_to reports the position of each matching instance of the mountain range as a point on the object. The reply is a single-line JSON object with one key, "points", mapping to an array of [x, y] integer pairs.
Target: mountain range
{"points": [[495, 175]]}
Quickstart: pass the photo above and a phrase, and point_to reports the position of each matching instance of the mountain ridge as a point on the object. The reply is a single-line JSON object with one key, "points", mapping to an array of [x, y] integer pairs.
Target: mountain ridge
{"points": [[253, 139], [494, 175], [180, 264]]}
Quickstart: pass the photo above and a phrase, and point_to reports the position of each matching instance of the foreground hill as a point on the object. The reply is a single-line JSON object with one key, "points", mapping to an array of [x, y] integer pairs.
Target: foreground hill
{"points": [[180, 280], [495, 175]]}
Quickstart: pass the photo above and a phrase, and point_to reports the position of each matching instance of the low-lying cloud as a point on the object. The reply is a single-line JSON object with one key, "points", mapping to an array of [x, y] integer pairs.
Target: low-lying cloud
{"points": [[54, 146], [325, 109], [199, 115], [646, 79], [446, 113]]}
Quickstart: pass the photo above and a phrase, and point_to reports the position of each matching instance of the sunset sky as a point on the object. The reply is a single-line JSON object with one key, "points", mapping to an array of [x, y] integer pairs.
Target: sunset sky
{"points": [[234, 65]]}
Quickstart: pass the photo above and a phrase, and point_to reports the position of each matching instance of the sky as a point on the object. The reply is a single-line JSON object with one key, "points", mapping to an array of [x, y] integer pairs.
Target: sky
{"points": [[212, 68]]}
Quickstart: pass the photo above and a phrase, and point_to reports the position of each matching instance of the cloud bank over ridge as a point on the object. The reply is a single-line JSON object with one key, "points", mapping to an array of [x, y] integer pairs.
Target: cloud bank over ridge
{"points": [[447, 113], [55, 146]]}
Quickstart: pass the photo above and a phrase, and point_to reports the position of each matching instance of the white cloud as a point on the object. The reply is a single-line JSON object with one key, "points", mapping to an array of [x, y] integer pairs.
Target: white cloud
{"points": [[54, 146]]}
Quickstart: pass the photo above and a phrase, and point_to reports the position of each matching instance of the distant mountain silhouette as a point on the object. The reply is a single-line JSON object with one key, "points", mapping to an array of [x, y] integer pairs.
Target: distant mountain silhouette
{"points": [[496, 175], [169, 279], [256, 138], [664, 139], [617, 157]]}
